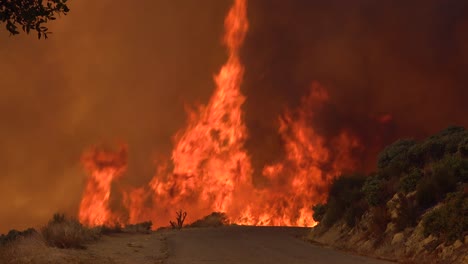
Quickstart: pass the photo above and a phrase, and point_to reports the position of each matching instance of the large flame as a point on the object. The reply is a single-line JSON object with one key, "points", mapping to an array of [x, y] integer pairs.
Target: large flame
{"points": [[210, 169], [303, 177], [103, 167]]}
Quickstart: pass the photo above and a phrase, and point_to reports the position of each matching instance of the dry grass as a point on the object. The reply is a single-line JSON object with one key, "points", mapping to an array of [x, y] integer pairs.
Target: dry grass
{"points": [[62, 232], [30, 249]]}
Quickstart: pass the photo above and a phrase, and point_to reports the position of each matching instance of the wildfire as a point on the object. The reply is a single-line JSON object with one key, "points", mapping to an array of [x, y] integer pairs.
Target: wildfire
{"points": [[210, 169], [103, 167]]}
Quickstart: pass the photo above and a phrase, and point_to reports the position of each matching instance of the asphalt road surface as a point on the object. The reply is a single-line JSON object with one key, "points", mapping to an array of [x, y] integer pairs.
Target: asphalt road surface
{"points": [[250, 245]]}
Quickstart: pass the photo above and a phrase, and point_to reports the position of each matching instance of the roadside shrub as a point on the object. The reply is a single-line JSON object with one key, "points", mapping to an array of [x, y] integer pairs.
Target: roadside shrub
{"points": [[408, 212], [396, 154], [444, 177], [319, 211], [345, 199], [14, 235], [410, 180], [143, 227], [446, 142], [450, 221], [463, 147], [63, 232], [373, 190], [215, 219], [379, 220], [451, 138], [111, 229]]}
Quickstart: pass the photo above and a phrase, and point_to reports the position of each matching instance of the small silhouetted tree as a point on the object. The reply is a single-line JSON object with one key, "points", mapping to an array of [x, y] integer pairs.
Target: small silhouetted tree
{"points": [[180, 220], [30, 15]]}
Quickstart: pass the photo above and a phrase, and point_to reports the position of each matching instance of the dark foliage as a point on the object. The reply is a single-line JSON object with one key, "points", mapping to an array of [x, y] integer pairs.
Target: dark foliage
{"points": [[344, 200], [379, 221], [30, 14], [373, 190], [408, 212], [319, 211], [13, 235], [410, 180], [444, 177], [180, 220], [450, 221], [431, 169], [396, 154], [143, 227], [215, 219], [463, 147]]}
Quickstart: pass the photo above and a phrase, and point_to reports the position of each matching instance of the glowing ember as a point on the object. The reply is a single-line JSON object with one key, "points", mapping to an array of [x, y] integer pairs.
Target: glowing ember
{"points": [[103, 167]]}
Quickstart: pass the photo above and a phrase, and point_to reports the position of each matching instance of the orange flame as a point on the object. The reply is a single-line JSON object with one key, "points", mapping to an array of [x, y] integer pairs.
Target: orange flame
{"points": [[103, 167], [301, 180], [210, 169]]}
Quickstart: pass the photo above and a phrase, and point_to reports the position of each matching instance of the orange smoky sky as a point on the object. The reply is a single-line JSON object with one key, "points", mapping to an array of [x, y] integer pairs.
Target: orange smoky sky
{"points": [[121, 72], [111, 72]]}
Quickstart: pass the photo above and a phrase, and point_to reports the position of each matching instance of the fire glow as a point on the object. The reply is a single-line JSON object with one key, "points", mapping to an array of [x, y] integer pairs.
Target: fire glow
{"points": [[210, 169]]}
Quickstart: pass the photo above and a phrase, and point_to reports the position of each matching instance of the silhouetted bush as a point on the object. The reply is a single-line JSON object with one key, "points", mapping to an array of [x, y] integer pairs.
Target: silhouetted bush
{"points": [[62, 232], [319, 211], [344, 200], [143, 227], [13, 235], [111, 229], [450, 221], [215, 219], [181, 215], [463, 147]]}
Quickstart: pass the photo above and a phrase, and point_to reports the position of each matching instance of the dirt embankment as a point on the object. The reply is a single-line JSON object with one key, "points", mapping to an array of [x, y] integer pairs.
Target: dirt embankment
{"points": [[407, 246]]}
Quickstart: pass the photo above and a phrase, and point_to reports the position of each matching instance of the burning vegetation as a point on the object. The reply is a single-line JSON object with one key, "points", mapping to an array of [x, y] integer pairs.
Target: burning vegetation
{"points": [[210, 169]]}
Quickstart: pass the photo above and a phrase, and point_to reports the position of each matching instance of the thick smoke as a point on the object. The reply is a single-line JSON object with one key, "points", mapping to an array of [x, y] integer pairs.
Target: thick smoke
{"points": [[115, 73], [110, 73], [376, 58]]}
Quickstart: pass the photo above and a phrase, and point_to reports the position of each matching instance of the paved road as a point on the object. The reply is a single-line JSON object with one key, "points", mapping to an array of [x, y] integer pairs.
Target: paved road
{"points": [[251, 245]]}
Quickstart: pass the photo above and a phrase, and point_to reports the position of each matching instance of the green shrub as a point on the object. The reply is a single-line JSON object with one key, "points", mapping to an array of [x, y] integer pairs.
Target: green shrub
{"points": [[373, 190], [319, 211], [444, 177], [446, 142], [395, 154], [410, 180], [345, 200], [450, 221], [463, 147]]}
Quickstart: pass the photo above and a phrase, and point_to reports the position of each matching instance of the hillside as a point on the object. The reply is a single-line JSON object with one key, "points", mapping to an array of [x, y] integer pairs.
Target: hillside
{"points": [[413, 208]]}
